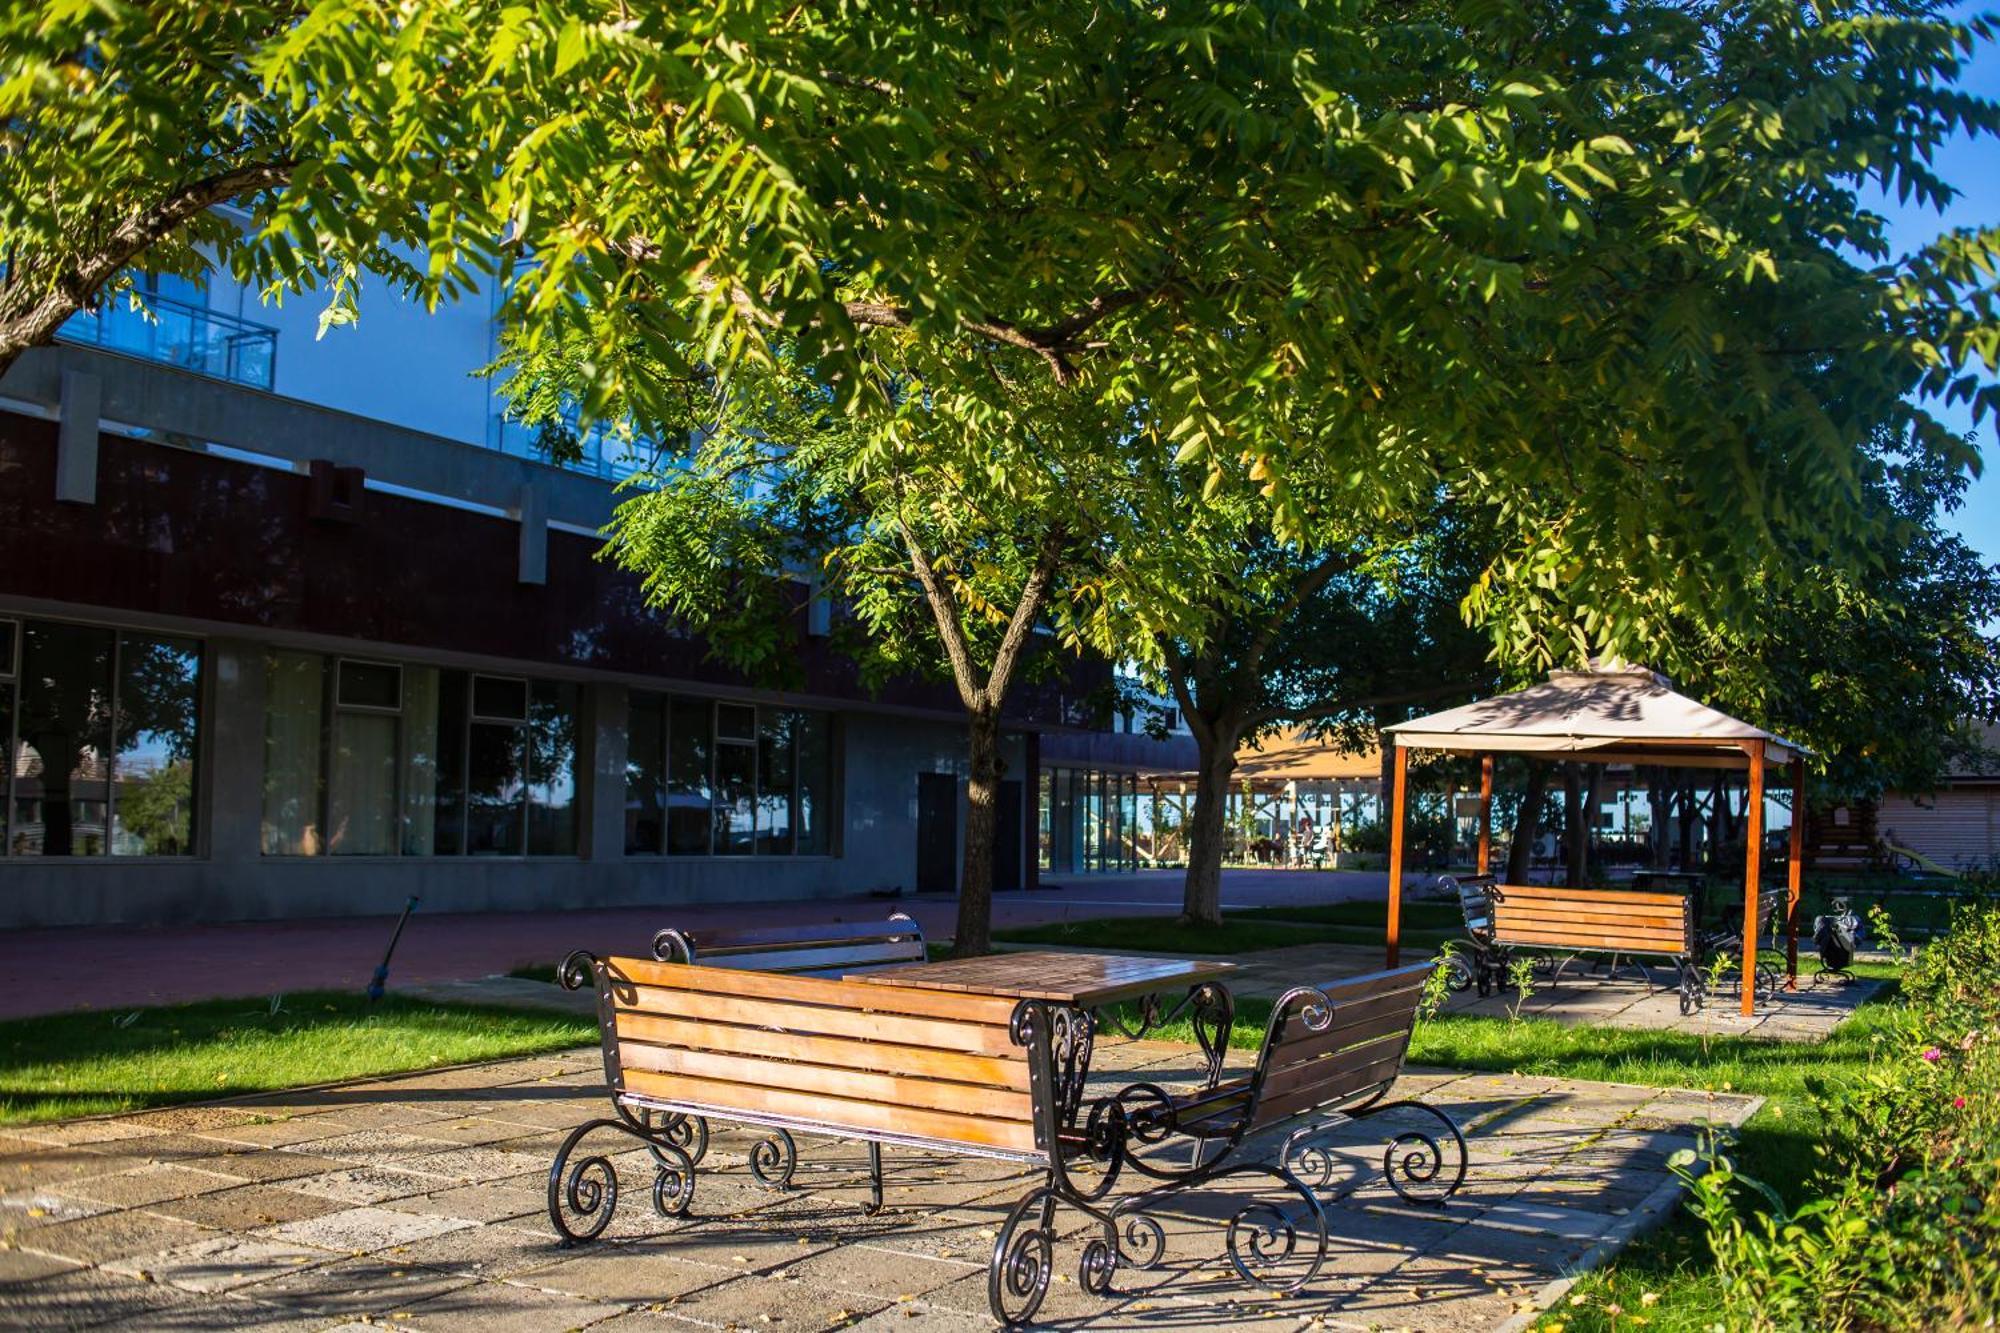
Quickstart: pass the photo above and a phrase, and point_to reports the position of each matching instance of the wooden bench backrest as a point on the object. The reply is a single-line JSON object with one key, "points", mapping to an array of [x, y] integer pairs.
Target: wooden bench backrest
{"points": [[827, 949], [1770, 906], [918, 1066], [1359, 1046], [1475, 901], [1616, 919]]}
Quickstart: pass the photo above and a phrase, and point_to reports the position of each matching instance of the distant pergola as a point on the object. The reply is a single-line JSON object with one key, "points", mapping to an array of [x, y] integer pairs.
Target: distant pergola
{"points": [[1607, 715]]}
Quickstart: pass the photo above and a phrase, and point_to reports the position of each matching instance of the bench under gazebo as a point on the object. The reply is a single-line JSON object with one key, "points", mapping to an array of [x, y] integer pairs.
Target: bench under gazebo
{"points": [[1609, 714]]}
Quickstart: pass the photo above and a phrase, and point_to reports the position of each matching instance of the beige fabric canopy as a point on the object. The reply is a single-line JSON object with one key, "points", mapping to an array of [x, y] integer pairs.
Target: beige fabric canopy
{"points": [[1608, 714], [1612, 713]]}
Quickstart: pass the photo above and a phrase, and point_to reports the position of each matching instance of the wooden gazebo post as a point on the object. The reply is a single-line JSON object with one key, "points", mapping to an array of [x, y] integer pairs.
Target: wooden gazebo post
{"points": [[1794, 873], [1399, 781], [1485, 814], [1753, 865]]}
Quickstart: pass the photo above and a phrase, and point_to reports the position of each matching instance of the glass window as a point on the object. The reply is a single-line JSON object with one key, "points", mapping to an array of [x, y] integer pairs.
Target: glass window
{"points": [[7, 634], [449, 829], [814, 810], [494, 787], [776, 778], [552, 769], [735, 795], [499, 699], [294, 690], [645, 774], [361, 813], [420, 768], [159, 698], [690, 743], [735, 722], [377, 685], [61, 772]]}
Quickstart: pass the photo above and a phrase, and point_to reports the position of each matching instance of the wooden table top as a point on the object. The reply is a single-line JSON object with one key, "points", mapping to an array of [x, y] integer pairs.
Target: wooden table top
{"points": [[1087, 980]]}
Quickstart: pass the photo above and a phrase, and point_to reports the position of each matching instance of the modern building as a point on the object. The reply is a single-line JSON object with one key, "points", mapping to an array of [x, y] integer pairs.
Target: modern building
{"points": [[296, 626]]}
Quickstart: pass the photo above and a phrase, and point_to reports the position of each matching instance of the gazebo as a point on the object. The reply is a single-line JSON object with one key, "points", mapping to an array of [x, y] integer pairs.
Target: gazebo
{"points": [[1609, 714]]}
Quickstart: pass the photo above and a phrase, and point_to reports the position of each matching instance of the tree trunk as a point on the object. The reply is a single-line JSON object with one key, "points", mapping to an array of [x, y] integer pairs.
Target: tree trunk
{"points": [[1576, 838], [1521, 852], [1685, 810], [1201, 896], [974, 934], [1660, 827]]}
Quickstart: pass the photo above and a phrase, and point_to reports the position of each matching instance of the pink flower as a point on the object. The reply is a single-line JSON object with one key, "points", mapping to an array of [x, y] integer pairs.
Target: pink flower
{"points": [[1933, 1054], [1958, 1103]]}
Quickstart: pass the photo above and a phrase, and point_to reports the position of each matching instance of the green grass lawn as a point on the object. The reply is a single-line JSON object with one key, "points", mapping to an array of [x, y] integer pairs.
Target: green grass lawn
{"points": [[90, 1063]]}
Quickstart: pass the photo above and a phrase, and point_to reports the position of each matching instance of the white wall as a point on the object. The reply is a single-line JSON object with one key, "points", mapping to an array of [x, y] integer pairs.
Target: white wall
{"points": [[398, 363]]}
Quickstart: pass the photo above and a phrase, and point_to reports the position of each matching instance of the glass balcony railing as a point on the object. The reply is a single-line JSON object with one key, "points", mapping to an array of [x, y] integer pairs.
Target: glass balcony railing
{"points": [[192, 337], [603, 453]]}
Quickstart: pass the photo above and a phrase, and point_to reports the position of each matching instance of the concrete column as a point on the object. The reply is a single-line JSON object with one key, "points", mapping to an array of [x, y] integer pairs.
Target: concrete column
{"points": [[232, 751], [605, 720], [534, 560], [76, 439]]}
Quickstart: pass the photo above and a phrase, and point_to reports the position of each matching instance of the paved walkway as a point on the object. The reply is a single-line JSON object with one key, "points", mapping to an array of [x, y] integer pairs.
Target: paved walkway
{"points": [[1809, 1014], [416, 1203], [131, 966]]}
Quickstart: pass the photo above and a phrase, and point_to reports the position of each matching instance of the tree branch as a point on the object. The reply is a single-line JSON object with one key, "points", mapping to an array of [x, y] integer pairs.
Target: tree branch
{"points": [[1026, 612], [944, 608], [126, 242]]}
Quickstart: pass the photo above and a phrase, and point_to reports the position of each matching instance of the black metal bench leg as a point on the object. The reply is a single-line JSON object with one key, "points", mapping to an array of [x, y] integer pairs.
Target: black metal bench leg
{"points": [[1414, 1161], [774, 1159], [874, 1204], [588, 1191], [1017, 1277]]}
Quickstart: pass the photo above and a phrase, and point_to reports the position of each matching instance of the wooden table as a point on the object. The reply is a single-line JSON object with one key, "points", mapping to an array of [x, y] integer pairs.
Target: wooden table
{"points": [[1082, 980], [1080, 989]]}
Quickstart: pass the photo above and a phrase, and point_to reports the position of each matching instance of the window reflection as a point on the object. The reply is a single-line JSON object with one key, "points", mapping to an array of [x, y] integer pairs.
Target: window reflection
{"points": [[98, 732], [730, 779], [158, 701], [380, 759]]}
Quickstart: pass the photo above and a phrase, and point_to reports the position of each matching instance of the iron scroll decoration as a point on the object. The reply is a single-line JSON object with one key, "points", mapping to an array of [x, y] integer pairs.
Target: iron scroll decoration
{"points": [[1262, 1236]]}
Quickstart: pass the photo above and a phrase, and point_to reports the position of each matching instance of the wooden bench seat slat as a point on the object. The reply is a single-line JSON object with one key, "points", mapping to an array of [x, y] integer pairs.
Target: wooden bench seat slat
{"points": [[1353, 1079], [878, 1055], [859, 995], [793, 959], [1319, 1047], [1586, 937], [1547, 911], [1558, 893], [1289, 1077], [837, 1113], [831, 1080], [1349, 990], [710, 942], [818, 1020]]}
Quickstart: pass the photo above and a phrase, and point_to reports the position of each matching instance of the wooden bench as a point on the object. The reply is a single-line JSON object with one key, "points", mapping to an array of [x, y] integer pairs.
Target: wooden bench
{"points": [[1330, 1056], [821, 949], [965, 1074], [1559, 923], [826, 949], [1728, 939]]}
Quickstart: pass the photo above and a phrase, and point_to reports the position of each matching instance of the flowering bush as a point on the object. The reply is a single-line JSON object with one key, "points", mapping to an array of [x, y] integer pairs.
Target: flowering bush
{"points": [[1905, 1231]]}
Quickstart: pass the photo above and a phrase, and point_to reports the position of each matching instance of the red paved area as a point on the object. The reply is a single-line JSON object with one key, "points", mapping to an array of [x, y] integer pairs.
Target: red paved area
{"points": [[128, 966]]}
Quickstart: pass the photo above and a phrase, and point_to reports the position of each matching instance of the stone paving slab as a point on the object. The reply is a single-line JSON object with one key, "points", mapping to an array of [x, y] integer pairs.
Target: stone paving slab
{"points": [[418, 1203], [1809, 1014]]}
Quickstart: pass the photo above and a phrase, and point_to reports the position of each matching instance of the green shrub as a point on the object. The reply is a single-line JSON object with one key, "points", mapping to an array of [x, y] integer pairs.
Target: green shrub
{"points": [[1903, 1227]]}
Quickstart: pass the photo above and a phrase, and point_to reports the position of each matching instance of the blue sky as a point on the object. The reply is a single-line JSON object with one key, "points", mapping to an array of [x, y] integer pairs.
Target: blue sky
{"points": [[1974, 167]]}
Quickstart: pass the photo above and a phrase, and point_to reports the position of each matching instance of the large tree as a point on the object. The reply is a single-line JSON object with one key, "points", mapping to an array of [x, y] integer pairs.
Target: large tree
{"points": [[1601, 269], [1340, 639], [966, 534]]}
